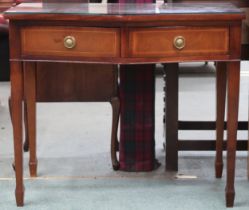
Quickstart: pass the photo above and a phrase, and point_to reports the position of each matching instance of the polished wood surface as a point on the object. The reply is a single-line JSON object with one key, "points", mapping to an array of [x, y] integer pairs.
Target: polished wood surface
{"points": [[221, 78], [176, 17], [58, 82], [233, 79], [198, 41], [30, 99], [49, 41]]}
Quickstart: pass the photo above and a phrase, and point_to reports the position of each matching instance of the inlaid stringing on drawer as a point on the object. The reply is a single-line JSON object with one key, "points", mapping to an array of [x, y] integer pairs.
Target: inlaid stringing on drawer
{"points": [[70, 41], [161, 42]]}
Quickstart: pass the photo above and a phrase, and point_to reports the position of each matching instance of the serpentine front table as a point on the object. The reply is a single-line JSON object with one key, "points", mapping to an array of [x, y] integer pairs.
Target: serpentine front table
{"points": [[124, 34]]}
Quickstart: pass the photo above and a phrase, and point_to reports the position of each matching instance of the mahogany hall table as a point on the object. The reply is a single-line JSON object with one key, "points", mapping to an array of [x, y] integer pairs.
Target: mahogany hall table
{"points": [[124, 34]]}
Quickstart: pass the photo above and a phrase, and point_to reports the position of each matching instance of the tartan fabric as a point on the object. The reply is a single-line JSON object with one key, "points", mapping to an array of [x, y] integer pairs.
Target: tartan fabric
{"points": [[137, 93], [137, 145]]}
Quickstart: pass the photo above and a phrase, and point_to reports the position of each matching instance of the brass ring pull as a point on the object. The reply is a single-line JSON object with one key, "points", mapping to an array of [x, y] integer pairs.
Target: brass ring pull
{"points": [[179, 42], [69, 42]]}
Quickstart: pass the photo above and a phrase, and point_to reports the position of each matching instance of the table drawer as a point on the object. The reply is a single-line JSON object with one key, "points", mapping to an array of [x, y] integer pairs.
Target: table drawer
{"points": [[161, 42], [70, 41]]}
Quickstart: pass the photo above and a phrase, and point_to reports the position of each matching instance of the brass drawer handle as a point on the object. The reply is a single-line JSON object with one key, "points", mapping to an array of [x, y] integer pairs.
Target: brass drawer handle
{"points": [[69, 42], [179, 42]]}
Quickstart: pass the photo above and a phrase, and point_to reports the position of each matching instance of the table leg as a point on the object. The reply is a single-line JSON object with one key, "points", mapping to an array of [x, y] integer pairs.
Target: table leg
{"points": [[16, 105], [30, 112], [233, 80], [220, 113], [171, 112]]}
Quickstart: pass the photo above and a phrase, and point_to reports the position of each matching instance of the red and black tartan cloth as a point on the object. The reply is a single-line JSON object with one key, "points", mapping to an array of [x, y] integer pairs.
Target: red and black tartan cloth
{"points": [[137, 94]]}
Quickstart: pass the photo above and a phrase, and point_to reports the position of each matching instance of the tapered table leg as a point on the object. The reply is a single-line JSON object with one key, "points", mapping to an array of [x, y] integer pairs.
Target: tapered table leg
{"points": [[30, 112], [221, 78], [171, 112], [233, 79], [16, 105]]}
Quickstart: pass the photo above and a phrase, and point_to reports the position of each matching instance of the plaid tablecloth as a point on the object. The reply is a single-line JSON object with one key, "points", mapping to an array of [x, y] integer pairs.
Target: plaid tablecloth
{"points": [[137, 94]]}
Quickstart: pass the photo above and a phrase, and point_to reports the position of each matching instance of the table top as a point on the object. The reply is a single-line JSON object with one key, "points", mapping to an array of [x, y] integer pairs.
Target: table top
{"points": [[121, 10]]}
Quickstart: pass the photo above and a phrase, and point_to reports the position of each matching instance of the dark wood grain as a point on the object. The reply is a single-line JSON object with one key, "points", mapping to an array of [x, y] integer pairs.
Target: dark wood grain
{"points": [[58, 82], [16, 106], [171, 155], [220, 113], [123, 20], [30, 113], [16, 78], [206, 145], [233, 79], [207, 125]]}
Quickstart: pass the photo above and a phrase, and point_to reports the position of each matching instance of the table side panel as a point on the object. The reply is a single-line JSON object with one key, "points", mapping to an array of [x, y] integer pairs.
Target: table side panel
{"points": [[58, 82]]}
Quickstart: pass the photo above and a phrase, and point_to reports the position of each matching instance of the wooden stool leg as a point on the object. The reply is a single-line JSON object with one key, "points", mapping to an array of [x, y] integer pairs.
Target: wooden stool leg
{"points": [[114, 143], [10, 111], [233, 79], [26, 142], [220, 113], [30, 99], [171, 112], [16, 112]]}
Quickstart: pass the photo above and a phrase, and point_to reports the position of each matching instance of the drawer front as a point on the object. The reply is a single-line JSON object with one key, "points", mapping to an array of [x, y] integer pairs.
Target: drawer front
{"points": [[70, 41], [161, 42]]}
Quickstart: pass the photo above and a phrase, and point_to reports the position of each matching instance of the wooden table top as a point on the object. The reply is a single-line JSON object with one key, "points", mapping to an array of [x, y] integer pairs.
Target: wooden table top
{"points": [[123, 12]]}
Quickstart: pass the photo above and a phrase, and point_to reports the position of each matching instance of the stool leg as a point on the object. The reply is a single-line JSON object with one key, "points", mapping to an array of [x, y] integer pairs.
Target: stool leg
{"points": [[26, 142], [16, 113], [10, 111], [114, 142], [220, 113], [233, 79], [30, 99], [171, 113]]}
